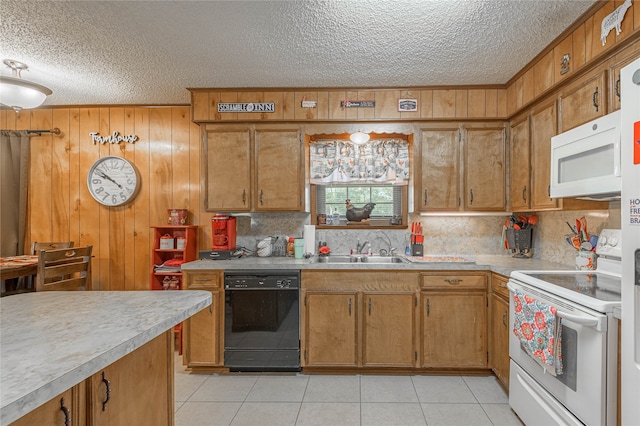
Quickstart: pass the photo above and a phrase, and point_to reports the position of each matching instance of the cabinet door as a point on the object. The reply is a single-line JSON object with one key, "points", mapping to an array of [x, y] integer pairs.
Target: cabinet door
{"points": [[454, 329], [543, 127], [622, 59], [279, 176], [228, 175], [583, 102], [137, 389], [520, 157], [499, 353], [68, 405], [388, 330], [439, 186], [484, 170], [330, 329], [202, 338]]}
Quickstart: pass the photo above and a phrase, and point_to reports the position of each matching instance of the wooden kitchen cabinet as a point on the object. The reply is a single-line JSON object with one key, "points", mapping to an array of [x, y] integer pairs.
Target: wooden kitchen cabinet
{"points": [[520, 160], [331, 323], [621, 59], [359, 319], [499, 329], [253, 168], [203, 342], [388, 335], [70, 404], [454, 320], [582, 101], [438, 188], [135, 390], [543, 122], [484, 169]]}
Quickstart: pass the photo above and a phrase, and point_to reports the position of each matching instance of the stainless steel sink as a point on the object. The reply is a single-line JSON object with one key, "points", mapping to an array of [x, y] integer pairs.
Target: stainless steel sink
{"points": [[361, 259]]}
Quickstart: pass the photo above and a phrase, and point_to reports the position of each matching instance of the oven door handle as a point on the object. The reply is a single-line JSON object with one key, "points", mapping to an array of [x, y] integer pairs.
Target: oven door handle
{"points": [[586, 321]]}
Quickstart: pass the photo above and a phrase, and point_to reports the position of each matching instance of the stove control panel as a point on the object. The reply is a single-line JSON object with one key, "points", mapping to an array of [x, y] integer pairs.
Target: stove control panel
{"points": [[609, 243]]}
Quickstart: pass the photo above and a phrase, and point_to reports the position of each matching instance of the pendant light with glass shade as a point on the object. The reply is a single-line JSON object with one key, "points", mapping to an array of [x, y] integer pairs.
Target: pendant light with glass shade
{"points": [[359, 137], [20, 94]]}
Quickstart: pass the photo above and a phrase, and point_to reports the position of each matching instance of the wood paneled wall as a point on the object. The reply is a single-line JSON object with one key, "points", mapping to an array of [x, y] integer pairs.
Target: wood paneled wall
{"points": [[61, 208]]}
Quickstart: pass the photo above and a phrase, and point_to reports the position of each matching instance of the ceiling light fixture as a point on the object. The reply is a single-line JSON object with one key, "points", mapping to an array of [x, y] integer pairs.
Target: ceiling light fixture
{"points": [[359, 137], [20, 94]]}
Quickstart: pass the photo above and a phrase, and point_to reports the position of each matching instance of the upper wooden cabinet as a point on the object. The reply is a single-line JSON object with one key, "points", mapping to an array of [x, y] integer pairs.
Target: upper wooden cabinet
{"points": [[583, 100], [619, 61], [454, 160], [520, 160], [253, 169], [438, 183], [543, 124], [484, 169]]}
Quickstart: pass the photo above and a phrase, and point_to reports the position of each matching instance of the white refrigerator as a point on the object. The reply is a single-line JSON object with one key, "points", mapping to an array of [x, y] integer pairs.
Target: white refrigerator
{"points": [[630, 206]]}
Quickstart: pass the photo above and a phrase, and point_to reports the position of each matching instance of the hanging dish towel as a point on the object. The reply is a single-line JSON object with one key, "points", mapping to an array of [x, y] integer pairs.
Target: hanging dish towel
{"points": [[537, 326]]}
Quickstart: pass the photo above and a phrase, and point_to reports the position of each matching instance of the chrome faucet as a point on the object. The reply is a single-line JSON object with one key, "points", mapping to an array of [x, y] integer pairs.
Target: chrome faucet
{"points": [[360, 247], [390, 250]]}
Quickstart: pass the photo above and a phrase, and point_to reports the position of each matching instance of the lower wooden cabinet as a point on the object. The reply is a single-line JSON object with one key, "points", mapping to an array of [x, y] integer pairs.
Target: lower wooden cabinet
{"points": [[499, 328], [67, 408], [137, 389], [331, 329], [203, 334], [359, 319], [454, 320]]}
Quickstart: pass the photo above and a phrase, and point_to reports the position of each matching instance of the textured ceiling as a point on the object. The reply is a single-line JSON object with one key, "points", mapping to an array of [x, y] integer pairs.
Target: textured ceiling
{"points": [[149, 52]]}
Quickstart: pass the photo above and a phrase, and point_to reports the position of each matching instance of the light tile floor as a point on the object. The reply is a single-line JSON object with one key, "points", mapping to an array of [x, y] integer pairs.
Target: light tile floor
{"points": [[333, 400]]}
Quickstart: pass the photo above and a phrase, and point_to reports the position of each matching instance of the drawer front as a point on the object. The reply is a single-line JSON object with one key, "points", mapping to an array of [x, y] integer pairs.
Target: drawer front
{"points": [[499, 285], [203, 279], [455, 281]]}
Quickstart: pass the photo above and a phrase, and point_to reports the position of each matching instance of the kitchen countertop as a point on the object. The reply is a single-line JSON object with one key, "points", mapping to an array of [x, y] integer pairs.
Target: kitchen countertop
{"points": [[500, 264], [52, 340]]}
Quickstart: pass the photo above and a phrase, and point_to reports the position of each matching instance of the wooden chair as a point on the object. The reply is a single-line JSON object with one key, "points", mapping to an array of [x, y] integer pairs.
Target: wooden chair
{"points": [[64, 269], [37, 247]]}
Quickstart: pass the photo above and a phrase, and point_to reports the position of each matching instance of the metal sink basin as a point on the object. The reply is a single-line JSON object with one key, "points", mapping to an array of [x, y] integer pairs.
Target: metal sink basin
{"points": [[361, 259]]}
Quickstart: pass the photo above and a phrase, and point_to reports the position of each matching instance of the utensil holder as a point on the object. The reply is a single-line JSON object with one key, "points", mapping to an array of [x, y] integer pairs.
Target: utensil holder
{"points": [[520, 241]]}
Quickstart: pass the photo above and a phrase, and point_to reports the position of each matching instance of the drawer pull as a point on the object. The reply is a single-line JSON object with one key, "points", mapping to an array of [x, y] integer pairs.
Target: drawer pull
{"points": [[504, 319], [595, 100], [453, 280], [108, 386], [349, 306], [66, 412], [202, 280], [244, 197], [428, 307], [369, 306], [502, 285]]}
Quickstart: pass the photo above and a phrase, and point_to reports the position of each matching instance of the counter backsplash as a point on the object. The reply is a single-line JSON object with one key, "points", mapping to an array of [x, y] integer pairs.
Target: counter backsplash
{"points": [[453, 235]]}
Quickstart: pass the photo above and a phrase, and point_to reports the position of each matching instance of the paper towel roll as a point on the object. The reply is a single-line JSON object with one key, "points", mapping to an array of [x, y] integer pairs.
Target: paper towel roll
{"points": [[309, 236]]}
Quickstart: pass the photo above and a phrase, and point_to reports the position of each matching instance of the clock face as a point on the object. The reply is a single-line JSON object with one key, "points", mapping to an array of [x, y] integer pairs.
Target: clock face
{"points": [[113, 181]]}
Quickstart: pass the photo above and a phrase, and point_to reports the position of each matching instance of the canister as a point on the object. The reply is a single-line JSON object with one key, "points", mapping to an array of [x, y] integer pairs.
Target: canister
{"points": [[298, 248], [586, 260], [180, 243], [166, 242]]}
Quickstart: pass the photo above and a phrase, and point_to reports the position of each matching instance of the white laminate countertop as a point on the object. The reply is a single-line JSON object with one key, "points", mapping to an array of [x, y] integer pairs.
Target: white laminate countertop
{"points": [[499, 264], [50, 341]]}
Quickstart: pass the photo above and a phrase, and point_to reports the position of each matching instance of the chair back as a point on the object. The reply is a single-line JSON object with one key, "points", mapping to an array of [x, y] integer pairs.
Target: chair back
{"points": [[64, 269], [36, 247]]}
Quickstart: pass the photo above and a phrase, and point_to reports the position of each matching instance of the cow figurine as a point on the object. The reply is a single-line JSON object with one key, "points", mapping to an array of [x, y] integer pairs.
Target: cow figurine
{"points": [[613, 20]]}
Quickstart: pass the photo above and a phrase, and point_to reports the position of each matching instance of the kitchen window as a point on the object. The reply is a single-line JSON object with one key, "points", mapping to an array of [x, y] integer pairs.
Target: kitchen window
{"points": [[376, 172]]}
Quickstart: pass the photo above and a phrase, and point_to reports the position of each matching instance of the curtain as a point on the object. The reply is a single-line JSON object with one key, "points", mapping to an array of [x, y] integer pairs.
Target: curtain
{"points": [[377, 161], [14, 174]]}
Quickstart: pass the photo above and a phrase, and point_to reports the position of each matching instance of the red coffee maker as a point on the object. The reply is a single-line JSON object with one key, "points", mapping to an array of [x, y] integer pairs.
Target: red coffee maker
{"points": [[224, 232]]}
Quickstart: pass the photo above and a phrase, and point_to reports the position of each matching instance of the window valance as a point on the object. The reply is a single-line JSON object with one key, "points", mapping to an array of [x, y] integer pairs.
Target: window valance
{"points": [[377, 161]]}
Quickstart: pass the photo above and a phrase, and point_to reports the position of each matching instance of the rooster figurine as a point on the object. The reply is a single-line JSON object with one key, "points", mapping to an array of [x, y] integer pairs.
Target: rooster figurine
{"points": [[359, 214]]}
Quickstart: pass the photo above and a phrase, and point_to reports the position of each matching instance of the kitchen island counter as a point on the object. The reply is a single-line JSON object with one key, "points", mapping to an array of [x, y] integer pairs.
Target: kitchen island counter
{"points": [[503, 265], [52, 341]]}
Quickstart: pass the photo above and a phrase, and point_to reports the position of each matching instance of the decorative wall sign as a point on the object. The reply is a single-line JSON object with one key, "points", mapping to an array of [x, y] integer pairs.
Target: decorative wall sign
{"points": [[407, 105], [115, 137], [246, 107], [613, 20], [357, 104], [564, 64], [309, 104]]}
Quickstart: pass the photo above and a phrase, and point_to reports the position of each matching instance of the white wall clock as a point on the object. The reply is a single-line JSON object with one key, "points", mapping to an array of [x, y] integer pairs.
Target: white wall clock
{"points": [[113, 181]]}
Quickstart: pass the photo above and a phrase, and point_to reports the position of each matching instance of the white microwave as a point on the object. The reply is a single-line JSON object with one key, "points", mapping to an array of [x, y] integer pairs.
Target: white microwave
{"points": [[585, 161]]}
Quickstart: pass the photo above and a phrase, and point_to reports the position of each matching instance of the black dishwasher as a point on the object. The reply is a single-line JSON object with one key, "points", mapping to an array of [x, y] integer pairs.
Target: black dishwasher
{"points": [[262, 320]]}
